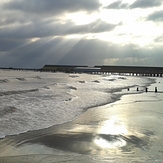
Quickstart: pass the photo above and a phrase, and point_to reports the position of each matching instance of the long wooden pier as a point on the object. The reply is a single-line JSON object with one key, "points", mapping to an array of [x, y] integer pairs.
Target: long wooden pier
{"points": [[131, 70], [105, 69]]}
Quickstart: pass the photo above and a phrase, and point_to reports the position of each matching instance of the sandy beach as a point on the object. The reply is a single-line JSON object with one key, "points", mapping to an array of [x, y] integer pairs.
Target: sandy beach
{"points": [[128, 130]]}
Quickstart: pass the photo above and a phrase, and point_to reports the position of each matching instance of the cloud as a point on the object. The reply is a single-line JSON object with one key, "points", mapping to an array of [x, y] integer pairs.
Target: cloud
{"points": [[49, 7], [117, 5], [46, 28], [146, 3], [96, 52], [159, 39], [30, 54], [34, 33], [23, 19], [10, 44], [137, 4], [35, 28], [156, 16], [97, 26], [79, 52]]}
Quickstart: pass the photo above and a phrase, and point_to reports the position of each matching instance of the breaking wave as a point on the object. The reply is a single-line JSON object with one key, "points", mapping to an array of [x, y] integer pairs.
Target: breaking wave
{"points": [[7, 110], [4, 81], [17, 92]]}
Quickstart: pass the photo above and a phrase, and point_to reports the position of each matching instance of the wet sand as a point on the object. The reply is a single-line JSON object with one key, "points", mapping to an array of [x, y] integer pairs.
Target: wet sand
{"points": [[129, 130]]}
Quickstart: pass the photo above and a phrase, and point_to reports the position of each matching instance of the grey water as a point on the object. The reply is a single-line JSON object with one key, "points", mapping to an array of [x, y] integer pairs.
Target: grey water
{"points": [[36, 100]]}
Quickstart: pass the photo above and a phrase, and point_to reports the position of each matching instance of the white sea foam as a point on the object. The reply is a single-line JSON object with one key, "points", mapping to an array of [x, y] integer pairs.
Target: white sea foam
{"points": [[36, 100]]}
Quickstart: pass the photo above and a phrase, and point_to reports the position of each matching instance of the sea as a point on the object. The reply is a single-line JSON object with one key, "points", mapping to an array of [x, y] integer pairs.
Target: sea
{"points": [[35, 100], [79, 117]]}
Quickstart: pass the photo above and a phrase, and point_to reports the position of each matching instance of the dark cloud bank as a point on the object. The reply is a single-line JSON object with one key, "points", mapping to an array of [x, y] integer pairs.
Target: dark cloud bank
{"points": [[46, 28], [82, 52], [156, 16], [52, 6]]}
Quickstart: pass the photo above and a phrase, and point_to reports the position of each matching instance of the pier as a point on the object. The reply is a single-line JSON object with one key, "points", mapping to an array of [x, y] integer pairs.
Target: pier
{"points": [[130, 70], [121, 70]]}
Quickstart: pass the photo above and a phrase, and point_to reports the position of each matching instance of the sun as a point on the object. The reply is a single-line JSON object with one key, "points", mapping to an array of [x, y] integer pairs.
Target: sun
{"points": [[82, 18]]}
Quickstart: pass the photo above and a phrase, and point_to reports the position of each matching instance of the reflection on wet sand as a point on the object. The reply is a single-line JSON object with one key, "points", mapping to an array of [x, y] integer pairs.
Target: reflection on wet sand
{"points": [[103, 138], [113, 126]]}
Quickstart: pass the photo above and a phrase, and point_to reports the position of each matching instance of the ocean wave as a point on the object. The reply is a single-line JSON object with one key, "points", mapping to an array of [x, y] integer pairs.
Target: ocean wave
{"points": [[123, 78], [73, 76], [96, 81], [21, 79], [7, 93], [4, 81], [7, 110], [81, 81], [72, 87], [37, 77], [109, 79]]}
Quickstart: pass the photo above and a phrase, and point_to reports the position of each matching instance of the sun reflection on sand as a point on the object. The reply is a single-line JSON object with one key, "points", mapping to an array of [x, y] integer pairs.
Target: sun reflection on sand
{"points": [[113, 144], [113, 126], [111, 131]]}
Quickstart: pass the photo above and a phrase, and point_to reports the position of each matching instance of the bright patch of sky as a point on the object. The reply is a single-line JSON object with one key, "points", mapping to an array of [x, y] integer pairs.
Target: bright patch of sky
{"points": [[132, 28]]}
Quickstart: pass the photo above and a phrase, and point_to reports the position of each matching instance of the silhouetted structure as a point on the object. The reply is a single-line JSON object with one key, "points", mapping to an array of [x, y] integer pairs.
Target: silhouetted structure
{"points": [[60, 68], [130, 70]]}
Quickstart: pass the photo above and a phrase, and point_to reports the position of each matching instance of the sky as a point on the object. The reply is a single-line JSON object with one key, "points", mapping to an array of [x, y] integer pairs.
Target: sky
{"points": [[86, 32]]}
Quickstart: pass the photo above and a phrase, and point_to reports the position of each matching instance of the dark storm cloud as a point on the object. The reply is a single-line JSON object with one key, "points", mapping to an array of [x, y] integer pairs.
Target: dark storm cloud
{"points": [[156, 16], [30, 54], [137, 4], [96, 52], [146, 3], [44, 7], [80, 52], [9, 44], [46, 28], [35, 28], [117, 5]]}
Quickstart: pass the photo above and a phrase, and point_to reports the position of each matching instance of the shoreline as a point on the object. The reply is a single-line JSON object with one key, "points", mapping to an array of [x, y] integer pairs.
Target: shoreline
{"points": [[83, 136]]}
